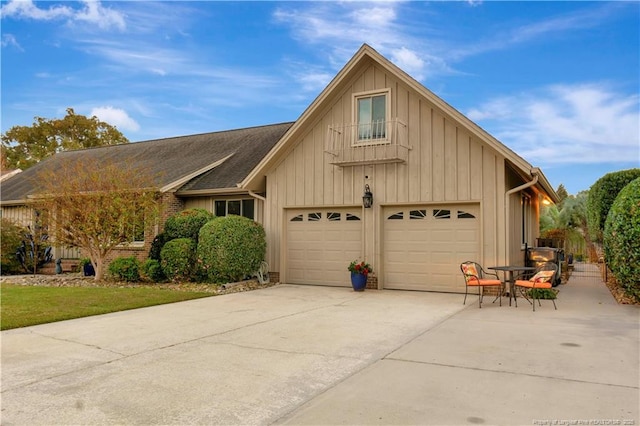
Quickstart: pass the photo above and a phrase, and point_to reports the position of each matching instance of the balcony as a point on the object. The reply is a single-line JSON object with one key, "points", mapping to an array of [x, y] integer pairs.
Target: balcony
{"points": [[372, 143]]}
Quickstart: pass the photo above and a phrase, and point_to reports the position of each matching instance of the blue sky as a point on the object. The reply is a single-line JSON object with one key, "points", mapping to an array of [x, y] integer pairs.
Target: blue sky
{"points": [[557, 82]]}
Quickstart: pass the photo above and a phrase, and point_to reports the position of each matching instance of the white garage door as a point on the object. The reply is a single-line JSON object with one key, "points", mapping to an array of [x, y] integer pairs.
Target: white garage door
{"points": [[423, 246], [320, 245]]}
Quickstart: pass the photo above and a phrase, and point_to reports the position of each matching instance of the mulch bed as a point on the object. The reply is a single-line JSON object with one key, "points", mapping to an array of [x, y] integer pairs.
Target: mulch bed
{"points": [[618, 292], [78, 280]]}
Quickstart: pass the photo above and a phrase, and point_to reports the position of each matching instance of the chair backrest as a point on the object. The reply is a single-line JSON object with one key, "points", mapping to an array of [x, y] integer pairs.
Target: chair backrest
{"points": [[545, 273], [471, 270]]}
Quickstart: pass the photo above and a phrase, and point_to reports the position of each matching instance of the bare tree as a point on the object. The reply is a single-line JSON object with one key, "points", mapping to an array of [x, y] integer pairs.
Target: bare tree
{"points": [[97, 206]]}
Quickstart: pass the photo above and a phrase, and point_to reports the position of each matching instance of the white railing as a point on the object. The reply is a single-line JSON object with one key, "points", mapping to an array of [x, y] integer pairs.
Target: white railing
{"points": [[370, 143]]}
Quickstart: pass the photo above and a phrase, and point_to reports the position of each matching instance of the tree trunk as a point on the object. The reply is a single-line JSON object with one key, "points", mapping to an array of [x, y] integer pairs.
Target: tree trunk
{"points": [[98, 265]]}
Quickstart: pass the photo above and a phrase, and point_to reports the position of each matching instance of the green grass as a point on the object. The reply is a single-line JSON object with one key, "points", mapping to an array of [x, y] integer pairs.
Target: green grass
{"points": [[22, 306]]}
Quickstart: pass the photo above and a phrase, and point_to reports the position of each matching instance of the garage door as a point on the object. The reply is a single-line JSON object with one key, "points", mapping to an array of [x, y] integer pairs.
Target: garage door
{"points": [[320, 245], [423, 246]]}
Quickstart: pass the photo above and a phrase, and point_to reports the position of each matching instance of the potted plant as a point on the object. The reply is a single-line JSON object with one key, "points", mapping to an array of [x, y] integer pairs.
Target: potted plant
{"points": [[359, 273]]}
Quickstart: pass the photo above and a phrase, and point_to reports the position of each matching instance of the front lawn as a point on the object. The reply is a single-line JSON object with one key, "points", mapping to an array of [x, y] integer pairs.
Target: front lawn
{"points": [[22, 306]]}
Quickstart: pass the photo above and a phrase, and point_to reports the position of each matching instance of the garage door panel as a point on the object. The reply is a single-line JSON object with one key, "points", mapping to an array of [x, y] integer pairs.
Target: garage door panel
{"points": [[320, 242], [423, 250]]}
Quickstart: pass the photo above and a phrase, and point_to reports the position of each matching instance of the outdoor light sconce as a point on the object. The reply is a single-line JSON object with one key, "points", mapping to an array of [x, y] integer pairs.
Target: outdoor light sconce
{"points": [[367, 198]]}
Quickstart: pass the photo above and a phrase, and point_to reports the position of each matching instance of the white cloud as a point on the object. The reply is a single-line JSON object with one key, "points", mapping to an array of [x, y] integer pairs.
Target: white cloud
{"points": [[10, 40], [116, 117], [105, 18], [92, 12], [27, 10], [581, 123]]}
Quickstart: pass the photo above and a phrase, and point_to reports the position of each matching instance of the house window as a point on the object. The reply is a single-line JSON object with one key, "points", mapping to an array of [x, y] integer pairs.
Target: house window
{"points": [[237, 207], [371, 112]]}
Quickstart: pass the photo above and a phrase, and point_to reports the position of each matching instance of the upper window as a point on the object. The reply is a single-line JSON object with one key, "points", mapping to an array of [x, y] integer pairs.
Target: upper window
{"points": [[371, 112], [238, 207]]}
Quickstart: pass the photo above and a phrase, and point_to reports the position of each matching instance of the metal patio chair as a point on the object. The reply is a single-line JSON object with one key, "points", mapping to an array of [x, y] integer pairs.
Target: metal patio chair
{"points": [[542, 279], [475, 276]]}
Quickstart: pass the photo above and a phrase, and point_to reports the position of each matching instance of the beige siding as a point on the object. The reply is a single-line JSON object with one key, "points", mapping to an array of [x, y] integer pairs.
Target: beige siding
{"points": [[446, 164], [20, 215]]}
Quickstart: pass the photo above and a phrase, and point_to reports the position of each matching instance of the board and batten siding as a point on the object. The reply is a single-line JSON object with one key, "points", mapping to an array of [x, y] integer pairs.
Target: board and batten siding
{"points": [[22, 215], [445, 164]]}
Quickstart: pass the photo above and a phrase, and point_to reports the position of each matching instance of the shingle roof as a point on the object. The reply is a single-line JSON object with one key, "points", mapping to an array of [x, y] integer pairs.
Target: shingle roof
{"points": [[171, 159]]}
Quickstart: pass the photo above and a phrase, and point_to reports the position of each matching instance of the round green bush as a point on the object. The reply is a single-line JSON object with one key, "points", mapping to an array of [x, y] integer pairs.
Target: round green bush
{"points": [[622, 238], [186, 224], [125, 269], [231, 248], [152, 270], [177, 259]]}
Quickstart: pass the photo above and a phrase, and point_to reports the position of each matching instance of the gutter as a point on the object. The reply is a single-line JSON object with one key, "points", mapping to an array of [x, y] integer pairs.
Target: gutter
{"points": [[533, 182]]}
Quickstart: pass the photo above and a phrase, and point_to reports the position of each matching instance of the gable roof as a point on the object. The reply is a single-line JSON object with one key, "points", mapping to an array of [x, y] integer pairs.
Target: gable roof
{"points": [[208, 161], [366, 53]]}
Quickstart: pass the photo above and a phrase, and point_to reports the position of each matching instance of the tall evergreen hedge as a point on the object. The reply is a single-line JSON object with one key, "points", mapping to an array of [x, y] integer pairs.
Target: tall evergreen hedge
{"points": [[622, 238], [602, 194]]}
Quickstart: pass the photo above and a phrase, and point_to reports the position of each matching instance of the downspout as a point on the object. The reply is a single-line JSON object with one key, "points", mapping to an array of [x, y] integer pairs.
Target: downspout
{"points": [[506, 211]]}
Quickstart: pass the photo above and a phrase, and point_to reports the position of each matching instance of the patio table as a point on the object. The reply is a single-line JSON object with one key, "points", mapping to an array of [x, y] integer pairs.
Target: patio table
{"points": [[508, 271]]}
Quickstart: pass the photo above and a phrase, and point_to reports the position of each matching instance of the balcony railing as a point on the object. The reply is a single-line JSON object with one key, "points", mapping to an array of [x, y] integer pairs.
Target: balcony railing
{"points": [[370, 143]]}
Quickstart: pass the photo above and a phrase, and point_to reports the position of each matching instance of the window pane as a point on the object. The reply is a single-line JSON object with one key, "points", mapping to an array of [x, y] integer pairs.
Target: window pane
{"points": [[247, 208], [442, 214], [233, 207], [314, 217], [221, 208], [378, 116], [364, 118]]}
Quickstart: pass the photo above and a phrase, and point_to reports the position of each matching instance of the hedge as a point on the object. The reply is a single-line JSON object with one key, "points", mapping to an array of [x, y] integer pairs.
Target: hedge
{"points": [[602, 194], [622, 238], [186, 224], [125, 269], [177, 259], [231, 248]]}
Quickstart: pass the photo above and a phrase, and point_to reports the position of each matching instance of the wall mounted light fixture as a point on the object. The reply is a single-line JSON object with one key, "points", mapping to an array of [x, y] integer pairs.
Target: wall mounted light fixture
{"points": [[367, 198]]}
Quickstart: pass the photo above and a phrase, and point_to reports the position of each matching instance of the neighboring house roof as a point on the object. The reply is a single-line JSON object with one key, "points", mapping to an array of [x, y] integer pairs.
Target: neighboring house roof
{"points": [[366, 53], [6, 174], [203, 162]]}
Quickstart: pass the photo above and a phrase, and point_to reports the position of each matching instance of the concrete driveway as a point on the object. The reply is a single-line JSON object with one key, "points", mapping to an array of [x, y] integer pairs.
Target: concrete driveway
{"points": [[321, 355]]}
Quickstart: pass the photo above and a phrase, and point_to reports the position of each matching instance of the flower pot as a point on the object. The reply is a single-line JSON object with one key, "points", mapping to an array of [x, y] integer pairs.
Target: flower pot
{"points": [[358, 281]]}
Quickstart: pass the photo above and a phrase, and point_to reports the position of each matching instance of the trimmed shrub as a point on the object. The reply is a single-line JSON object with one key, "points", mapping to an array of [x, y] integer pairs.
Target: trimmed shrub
{"points": [[622, 238], [186, 224], [602, 194], [125, 269], [156, 246], [231, 248], [152, 270], [178, 259], [11, 239]]}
